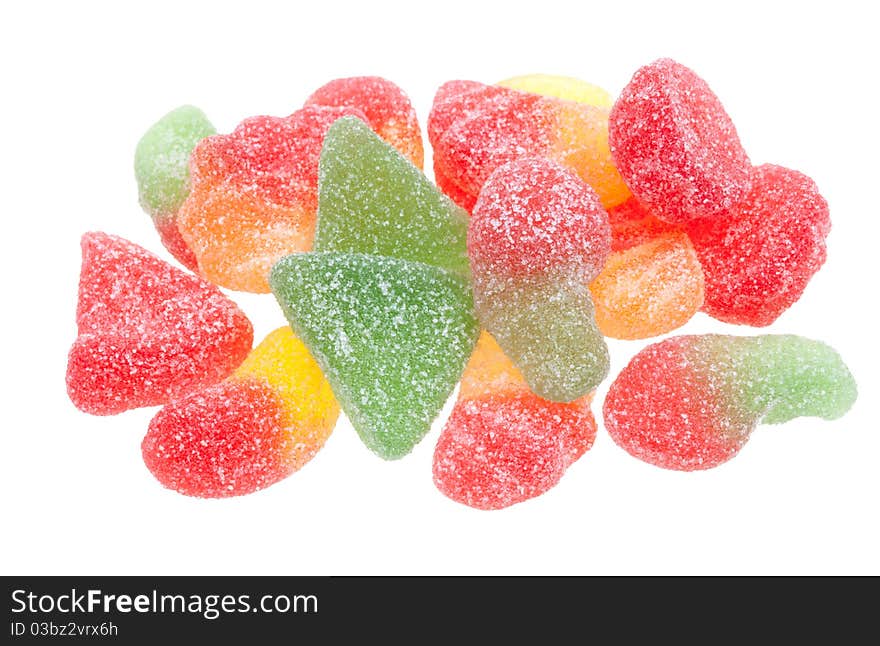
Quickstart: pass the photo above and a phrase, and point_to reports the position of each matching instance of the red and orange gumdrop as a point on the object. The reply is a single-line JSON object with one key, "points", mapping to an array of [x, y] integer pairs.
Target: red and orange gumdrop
{"points": [[254, 192], [503, 444], [386, 108]]}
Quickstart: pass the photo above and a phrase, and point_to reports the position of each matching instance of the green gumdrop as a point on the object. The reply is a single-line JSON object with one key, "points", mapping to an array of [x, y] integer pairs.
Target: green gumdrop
{"points": [[783, 376], [372, 200], [547, 327], [161, 160], [391, 336]]}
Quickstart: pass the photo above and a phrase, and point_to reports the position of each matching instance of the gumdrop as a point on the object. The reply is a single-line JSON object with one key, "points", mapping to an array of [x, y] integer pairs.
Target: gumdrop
{"points": [[561, 87], [373, 200], [254, 195], [391, 336], [537, 237], [649, 289], [477, 129], [460, 100], [652, 282], [691, 402], [502, 444], [758, 261], [147, 332], [455, 100], [386, 107], [161, 168], [675, 145], [248, 432]]}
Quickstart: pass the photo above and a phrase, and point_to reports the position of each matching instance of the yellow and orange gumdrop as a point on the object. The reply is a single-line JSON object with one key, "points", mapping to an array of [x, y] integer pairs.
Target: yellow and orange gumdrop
{"points": [[561, 87], [648, 289], [652, 282], [248, 432]]}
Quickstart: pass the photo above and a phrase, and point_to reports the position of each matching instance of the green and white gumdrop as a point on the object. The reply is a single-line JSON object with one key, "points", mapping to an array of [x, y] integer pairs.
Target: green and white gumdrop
{"points": [[391, 336], [373, 200]]}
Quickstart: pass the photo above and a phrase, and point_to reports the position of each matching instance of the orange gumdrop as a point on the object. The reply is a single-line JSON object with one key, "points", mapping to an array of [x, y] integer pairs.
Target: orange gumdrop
{"points": [[254, 195], [490, 373], [580, 142], [238, 248], [649, 289]]}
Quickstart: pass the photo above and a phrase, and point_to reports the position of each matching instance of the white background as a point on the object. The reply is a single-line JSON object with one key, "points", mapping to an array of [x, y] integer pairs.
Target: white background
{"points": [[83, 81]]}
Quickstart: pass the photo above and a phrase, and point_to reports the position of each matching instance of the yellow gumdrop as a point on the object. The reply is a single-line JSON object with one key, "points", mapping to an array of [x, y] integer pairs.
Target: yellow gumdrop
{"points": [[649, 289], [283, 361], [561, 87]]}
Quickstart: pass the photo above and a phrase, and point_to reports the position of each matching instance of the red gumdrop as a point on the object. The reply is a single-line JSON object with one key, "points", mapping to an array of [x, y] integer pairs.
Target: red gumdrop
{"points": [[508, 127], [147, 331], [758, 261], [632, 225], [665, 410], [457, 100], [451, 190], [534, 215], [456, 88], [226, 440], [497, 452], [675, 146], [275, 158], [387, 108]]}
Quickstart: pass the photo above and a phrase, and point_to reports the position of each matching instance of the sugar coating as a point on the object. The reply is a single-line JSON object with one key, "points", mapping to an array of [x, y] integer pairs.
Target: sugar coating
{"points": [[675, 145], [649, 289], [503, 127], [758, 261], [538, 235], [161, 169], [386, 107], [391, 336], [252, 430], [255, 195], [561, 87], [147, 332], [535, 216], [372, 200], [476, 128], [691, 402], [454, 101], [502, 444], [459, 100]]}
